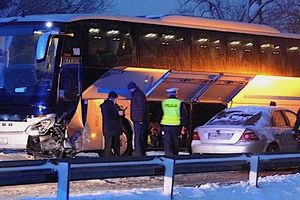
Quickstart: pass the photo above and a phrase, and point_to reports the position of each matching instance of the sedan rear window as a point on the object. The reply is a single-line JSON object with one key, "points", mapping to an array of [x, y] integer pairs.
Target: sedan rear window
{"points": [[235, 118]]}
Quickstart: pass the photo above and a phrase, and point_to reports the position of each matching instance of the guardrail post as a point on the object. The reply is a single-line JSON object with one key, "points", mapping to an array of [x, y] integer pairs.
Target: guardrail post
{"points": [[63, 173], [169, 177], [254, 168]]}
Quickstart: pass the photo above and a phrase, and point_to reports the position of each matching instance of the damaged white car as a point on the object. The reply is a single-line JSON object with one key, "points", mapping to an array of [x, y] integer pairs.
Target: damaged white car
{"points": [[248, 129]]}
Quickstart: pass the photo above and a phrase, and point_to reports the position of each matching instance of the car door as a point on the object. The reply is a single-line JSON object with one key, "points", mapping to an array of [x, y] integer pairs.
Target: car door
{"points": [[280, 126], [291, 118]]}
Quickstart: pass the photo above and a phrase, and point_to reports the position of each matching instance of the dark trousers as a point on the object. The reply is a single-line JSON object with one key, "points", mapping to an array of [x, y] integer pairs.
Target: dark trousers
{"points": [[171, 139], [112, 143], [140, 138]]}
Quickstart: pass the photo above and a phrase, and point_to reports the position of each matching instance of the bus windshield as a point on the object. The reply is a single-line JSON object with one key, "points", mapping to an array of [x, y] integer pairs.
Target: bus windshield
{"points": [[22, 79]]}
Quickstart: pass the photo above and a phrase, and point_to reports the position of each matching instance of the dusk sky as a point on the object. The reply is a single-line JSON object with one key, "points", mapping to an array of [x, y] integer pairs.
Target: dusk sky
{"points": [[145, 7]]}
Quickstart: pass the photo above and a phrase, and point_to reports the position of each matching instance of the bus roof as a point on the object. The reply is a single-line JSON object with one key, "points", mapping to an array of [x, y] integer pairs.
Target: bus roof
{"points": [[169, 20]]}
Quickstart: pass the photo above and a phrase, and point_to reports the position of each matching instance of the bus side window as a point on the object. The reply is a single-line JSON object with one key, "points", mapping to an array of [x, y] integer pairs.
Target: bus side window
{"points": [[293, 57], [272, 56], [72, 43], [110, 45], [208, 51], [242, 53], [164, 47]]}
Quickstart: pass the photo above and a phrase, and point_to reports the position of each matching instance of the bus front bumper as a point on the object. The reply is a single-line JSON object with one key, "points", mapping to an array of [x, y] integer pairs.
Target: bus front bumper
{"points": [[13, 140]]}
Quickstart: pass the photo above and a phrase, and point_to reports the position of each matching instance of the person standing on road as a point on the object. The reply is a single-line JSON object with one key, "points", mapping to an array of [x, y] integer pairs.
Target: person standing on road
{"points": [[139, 116], [112, 125], [174, 121]]}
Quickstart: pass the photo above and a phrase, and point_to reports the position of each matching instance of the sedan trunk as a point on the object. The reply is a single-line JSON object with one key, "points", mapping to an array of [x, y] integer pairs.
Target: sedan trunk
{"points": [[220, 134]]}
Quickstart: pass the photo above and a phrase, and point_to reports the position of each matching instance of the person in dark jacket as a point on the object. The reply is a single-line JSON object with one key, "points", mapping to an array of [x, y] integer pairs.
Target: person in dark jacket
{"points": [[139, 116], [112, 124], [174, 121]]}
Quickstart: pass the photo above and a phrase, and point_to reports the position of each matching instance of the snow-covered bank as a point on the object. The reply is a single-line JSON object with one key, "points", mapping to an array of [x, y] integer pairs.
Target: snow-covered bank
{"points": [[270, 188]]}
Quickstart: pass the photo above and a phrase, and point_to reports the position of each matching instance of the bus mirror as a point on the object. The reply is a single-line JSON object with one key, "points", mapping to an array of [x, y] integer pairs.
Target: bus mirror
{"points": [[42, 46], [43, 43]]}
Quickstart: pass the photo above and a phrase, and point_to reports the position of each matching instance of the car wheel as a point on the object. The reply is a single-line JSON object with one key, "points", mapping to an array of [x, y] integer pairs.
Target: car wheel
{"points": [[272, 148]]}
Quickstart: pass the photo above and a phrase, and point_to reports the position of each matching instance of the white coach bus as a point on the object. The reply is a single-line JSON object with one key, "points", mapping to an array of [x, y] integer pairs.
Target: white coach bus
{"points": [[55, 71]]}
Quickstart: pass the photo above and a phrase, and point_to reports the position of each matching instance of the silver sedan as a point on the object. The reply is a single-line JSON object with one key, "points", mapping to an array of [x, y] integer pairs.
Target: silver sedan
{"points": [[247, 129]]}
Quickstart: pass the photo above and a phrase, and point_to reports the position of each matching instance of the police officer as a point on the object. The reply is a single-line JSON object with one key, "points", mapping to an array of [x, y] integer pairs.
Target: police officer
{"points": [[112, 125], [174, 121]]}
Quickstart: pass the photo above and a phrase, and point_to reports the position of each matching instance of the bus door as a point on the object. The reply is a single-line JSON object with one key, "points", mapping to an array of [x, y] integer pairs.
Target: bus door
{"points": [[116, 80], [224, 89], [217, 96], [69, 96], [205, 94]]}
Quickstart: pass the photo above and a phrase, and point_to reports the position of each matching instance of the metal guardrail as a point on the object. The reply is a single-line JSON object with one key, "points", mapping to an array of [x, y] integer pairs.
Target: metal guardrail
{"points": [[64, 171]]}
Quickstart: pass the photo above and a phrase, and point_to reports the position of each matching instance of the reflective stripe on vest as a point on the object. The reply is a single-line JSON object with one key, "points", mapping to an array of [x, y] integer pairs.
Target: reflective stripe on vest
{"points": [[171, 112]]}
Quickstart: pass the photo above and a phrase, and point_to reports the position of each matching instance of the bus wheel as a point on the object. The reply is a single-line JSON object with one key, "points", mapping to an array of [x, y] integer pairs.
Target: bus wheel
{"points": [[125, 142]]}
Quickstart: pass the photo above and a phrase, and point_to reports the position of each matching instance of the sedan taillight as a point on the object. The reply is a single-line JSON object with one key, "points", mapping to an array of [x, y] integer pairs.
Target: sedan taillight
{"points": [[196, 135], [249, 135]]}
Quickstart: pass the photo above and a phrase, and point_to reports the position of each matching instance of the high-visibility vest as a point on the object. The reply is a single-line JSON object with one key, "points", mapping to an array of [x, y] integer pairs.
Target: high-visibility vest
{"points": [[299, 128], [171, 112]]}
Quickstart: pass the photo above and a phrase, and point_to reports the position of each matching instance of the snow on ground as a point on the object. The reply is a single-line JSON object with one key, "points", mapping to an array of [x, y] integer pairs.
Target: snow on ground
{"points": [[270, 188]]}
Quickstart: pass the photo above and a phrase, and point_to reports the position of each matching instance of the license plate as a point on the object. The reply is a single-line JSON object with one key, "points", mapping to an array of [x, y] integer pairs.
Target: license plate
{"points": [[220, 136], [3, 140]]}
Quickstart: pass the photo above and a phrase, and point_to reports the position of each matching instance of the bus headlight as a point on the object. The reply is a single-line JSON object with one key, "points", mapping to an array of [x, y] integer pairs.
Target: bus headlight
{"points": [[43, 126]]}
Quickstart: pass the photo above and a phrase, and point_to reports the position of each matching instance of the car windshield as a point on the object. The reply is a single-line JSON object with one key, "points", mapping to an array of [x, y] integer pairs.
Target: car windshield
{"points": [[22, 79], [235, 117]]}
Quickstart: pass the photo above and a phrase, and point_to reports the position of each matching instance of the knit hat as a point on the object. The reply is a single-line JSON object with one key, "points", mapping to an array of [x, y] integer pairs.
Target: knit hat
{"points": [[112, 95], [131, 86]]}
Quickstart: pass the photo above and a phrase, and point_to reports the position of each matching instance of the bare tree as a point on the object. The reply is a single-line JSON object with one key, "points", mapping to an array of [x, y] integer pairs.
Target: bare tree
{"points": [[284, 15], [31, 7], [281, 14], [4, 5], [236, 10]]}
